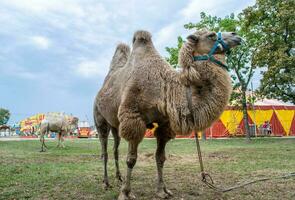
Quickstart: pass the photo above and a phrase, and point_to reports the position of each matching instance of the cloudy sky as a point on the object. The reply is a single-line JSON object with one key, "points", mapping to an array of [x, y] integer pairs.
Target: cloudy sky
{"points": [[55, 54]]}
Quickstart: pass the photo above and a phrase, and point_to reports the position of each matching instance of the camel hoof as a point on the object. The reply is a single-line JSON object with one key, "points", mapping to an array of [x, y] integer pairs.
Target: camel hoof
{"points": [[119, 177], [164, 193], [124, 196], [42, 150], [106, 185], [168, 192]]}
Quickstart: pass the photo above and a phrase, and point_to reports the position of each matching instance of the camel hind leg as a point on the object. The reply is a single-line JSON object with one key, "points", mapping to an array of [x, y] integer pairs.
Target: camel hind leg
{"points": [[42, 142], [117, 140], [103, 130], [103, 133]]}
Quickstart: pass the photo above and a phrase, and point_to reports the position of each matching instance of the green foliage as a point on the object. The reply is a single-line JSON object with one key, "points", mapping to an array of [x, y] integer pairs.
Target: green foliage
{"points": [[214, 23], [273, 22], [173, 51], [4, 116]]}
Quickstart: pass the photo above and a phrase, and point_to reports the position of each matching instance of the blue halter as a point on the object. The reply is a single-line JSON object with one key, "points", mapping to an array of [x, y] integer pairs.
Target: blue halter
{"points": [[212, 51]]}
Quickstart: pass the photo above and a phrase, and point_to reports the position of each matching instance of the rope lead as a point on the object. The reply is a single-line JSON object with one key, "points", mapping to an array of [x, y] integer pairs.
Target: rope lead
{"points": [[210, 183]]}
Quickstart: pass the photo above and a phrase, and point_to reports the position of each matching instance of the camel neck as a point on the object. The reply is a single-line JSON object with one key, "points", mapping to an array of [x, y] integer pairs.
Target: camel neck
{"points": [[210, 90]]}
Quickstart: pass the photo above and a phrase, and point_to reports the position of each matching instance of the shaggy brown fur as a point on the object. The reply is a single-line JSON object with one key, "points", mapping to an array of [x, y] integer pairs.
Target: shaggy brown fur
{"points": [[148, 90]]}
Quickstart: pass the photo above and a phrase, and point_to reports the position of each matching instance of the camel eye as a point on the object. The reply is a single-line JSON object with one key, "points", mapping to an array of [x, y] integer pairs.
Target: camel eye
{"points": [[212, 36]]}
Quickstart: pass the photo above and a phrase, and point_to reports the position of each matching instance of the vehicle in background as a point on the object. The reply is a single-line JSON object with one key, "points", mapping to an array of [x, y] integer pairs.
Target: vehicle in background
{"points": [[83, 129]]}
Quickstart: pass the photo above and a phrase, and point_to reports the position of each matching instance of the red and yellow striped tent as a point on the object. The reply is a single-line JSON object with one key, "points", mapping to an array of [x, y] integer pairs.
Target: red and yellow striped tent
{"points": [[231, 123]]}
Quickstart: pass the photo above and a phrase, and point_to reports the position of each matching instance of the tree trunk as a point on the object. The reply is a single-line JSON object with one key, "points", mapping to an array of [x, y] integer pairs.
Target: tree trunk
{"points": [[245, 115]]}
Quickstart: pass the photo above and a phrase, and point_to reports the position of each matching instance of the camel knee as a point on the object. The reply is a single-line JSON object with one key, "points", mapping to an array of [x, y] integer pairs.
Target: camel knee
{"points": [[115, 148], [105, 156], [116, 154], [160, 159], [131, 161]]}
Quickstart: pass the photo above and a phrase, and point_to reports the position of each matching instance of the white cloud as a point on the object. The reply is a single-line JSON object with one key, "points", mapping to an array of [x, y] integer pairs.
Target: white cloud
{"points": [[195, 7], [167, 34], [91, 68], [43, 7], [41, 42]]}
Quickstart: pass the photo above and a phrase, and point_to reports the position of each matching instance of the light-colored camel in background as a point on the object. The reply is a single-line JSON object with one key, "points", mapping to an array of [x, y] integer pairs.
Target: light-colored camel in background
{"points": [[62, 126], [142, 88]]}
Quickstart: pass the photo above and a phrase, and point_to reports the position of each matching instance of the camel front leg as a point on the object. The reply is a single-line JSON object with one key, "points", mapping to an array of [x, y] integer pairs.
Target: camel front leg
{"points": [[131, 128], [126, 193], [162, 191], [62, 140]]}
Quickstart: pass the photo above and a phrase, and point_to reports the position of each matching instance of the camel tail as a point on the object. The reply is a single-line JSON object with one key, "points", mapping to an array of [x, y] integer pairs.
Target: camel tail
{"points": [[95, 114], [120, 56]]}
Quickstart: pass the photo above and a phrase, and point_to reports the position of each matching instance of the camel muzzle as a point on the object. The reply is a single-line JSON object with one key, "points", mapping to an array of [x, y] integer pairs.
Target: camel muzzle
{"points": [[219, 42]]}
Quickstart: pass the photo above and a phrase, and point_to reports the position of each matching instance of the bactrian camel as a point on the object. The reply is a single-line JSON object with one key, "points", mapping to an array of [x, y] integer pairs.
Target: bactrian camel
{"points": [[62, 126], [142, 88]]}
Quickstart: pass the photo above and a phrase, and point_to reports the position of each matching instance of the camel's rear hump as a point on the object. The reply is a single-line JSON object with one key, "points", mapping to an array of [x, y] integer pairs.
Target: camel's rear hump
{"points": [[120, 56]]}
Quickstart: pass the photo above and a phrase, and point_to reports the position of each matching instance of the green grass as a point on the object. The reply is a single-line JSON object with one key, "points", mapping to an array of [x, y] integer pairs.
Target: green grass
{"points": [[76, 171]]}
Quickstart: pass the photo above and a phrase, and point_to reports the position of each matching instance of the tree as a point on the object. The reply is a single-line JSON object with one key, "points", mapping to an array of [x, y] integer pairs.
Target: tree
{"points": [[274, 22], [4, 116], [173, 52], [239, 61]]}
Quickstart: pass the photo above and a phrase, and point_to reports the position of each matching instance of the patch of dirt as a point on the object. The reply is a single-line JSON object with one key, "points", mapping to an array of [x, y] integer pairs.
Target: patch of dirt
{"points": [[151, 157], [219, 155]]}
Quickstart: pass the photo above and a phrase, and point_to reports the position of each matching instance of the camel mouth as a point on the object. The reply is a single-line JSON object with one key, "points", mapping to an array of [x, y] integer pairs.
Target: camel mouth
{"points": [[238, 40], [231, 39]]}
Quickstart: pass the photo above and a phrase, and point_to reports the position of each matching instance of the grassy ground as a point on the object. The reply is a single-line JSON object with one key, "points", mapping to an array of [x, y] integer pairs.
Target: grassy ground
{"points": [[76, 171]]}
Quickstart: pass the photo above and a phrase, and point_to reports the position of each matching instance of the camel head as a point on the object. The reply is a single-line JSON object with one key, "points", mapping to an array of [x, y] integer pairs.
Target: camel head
{"points": [[73, 123], [203, 41], [202, 47]]}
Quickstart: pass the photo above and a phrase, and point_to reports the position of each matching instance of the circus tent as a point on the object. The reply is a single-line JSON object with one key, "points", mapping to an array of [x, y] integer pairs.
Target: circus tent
{"points": [[280, 115]]}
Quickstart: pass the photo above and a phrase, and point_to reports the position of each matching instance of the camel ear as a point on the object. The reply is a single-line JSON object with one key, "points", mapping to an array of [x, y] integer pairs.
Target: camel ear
{"points": [[192, 38]]}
